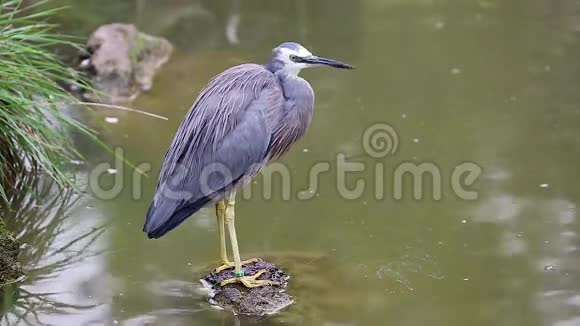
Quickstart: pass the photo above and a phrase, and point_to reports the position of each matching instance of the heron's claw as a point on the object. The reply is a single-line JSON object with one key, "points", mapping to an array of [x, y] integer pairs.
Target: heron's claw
{"points": [[249, 281], [228, 264]]}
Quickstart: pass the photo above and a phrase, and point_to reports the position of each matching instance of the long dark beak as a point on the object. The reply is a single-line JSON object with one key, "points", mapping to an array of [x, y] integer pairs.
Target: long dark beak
{"points": [[314, 60]]}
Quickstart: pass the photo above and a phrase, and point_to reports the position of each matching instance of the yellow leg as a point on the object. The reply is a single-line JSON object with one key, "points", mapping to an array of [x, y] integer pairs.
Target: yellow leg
{"points": [[220, 209], [248, 281]]}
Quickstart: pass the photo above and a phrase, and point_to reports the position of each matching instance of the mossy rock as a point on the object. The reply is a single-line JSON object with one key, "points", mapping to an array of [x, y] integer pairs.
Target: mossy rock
{"points": [[10, 269], [121, 61], [259, 301]]}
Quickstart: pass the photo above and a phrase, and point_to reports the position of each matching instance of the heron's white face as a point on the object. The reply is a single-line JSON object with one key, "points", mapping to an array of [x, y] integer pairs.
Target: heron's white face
{"points": [[291, 57], [290, 66]]}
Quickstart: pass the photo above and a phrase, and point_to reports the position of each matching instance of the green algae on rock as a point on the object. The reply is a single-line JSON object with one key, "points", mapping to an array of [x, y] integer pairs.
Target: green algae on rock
{"points": [[10, 269]]}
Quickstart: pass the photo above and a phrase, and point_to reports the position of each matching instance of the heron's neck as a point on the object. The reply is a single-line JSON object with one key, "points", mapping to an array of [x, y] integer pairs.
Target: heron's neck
{"points": [[296, 89]]}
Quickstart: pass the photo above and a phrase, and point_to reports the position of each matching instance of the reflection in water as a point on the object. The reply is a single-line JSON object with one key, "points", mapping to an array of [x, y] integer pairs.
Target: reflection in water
{"points": [[196, 25], [61, 255]]}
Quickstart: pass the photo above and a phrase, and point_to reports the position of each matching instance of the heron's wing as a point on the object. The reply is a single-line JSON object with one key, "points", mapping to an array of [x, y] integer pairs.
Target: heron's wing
{"points": [[223, 140]]}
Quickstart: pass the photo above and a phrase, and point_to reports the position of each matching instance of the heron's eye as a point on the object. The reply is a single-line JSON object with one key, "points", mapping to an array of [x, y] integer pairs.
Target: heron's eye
{"points": [[294, 58]]}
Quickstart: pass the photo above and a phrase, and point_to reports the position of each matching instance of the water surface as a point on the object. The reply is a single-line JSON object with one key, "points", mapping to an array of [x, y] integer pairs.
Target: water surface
{"points": [[488, 82]]}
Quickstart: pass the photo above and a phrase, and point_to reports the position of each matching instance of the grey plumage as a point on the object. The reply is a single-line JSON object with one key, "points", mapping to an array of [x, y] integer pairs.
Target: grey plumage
{"points": [[245, 117]]}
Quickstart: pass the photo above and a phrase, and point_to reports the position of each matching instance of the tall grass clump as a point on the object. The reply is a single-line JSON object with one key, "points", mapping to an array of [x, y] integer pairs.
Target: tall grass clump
{"points": [[33, 132]]}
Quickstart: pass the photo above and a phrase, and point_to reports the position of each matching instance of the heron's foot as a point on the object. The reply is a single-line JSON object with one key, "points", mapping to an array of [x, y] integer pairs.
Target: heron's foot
{"points": [[228, 264], [249, 281]]}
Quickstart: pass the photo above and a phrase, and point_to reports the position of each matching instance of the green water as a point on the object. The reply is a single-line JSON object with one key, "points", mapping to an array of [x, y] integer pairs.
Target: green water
{"points": [[490, 82]]}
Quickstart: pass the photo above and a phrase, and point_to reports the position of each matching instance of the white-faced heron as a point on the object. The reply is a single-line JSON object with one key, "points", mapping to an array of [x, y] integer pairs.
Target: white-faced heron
{"points": [[245, 117]]}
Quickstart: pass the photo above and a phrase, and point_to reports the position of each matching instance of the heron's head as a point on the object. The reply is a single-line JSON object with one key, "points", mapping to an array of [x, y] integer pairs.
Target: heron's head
{"points": [[292, 57]]}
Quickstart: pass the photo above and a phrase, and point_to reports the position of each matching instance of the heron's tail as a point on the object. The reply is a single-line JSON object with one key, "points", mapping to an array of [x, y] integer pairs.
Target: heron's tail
{"points": [[165, 216]]}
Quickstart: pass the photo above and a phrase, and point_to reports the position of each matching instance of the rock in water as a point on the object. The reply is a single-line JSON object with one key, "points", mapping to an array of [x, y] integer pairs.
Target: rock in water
{"points": [[122, 61], [10, 268], [258, 301]]}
